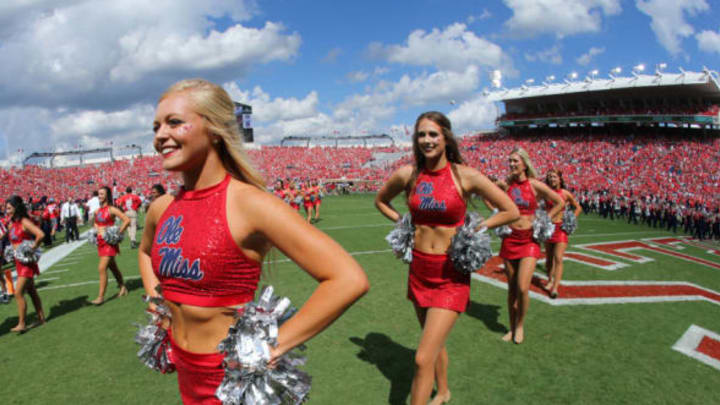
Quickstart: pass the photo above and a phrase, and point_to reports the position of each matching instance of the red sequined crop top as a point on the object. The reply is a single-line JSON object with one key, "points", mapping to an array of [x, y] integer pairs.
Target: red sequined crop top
{"points": [[549, 203], [103, 217], [435, 201], [194, 255], [17, 234], [522, 194]]}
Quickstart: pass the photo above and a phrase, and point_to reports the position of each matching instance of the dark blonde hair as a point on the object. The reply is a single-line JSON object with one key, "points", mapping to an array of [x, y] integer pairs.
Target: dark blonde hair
{"points": [[558, 173], [452, 151], [217, 108], [529, 169]]}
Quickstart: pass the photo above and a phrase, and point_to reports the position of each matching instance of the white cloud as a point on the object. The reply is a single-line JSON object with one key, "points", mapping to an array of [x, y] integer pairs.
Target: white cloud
{"points": [[587, 57], [709, 41], [332, 55], [267, 109], [471, 115], [551, 55], [559, 17], [453, 48], [483, 16], [99, 124], [83, 53], [668, 20], [357, 77]]}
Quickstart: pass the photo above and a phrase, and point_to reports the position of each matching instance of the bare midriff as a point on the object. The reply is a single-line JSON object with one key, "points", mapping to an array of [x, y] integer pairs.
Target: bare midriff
{"points": [[200, 329]]}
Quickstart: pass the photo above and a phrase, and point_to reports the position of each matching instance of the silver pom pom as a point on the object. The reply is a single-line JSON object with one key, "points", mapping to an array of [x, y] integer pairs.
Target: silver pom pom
{"points": [[92, 236], [470, 248], [543, 228], [153, 338], [112, 235], [9, 254], [503, 231], [298, 200], [26, 254], [248, 380], [402, 238], [570, 222]]}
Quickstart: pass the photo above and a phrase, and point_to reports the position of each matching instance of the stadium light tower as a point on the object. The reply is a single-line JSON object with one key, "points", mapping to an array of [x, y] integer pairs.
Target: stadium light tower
{"points": [[529, 81], [570, 77], [593, 74], [637, 69], [659, 68]]}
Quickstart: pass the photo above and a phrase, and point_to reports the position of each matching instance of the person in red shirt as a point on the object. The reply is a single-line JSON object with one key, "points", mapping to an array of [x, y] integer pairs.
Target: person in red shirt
{"points": [[130, 204]]}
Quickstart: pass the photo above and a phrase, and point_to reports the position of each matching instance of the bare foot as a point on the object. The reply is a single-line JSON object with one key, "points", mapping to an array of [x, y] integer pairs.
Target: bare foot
{"points": [[123, 291], [519, 335], [508, 337], [97, 301], [553, 294], [18, 329], [440, 399]]}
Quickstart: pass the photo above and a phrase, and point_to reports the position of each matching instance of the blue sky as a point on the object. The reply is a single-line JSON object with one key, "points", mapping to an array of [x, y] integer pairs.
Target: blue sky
{"points": [[87, 72]]}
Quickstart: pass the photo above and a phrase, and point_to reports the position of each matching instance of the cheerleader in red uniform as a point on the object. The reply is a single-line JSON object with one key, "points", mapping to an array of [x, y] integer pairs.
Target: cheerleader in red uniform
{"points": [[556, 245], [318, 193], [308, 196], [437, 188], [292, 194], [105, 217], [20, 229], [519, 250], [204, 247]]}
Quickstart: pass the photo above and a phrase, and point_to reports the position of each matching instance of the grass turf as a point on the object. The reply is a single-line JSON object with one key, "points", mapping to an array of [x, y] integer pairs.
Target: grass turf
{"points": [[617, 353]]}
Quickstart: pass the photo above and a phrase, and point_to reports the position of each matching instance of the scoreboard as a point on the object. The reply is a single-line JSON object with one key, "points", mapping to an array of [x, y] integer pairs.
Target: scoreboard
{"points": [[243, 114]]}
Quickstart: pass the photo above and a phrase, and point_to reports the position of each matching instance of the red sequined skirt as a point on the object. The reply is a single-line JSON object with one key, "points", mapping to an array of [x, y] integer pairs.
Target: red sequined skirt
{"points": [[199, 374], [519, 244], [559, 236], [26, 270], [434, 282], [106, 249]]}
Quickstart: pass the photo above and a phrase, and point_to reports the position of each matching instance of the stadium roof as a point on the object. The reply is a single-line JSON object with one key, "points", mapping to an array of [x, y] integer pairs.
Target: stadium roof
{"points": [[704, 82]]}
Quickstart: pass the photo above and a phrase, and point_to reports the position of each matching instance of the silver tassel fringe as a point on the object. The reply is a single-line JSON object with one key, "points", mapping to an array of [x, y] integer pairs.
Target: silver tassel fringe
{"points": [[502, 231], [570, 222], [112, 235], [402, 238], [92, 236], [9, 254], [248, 379], [542, 225], [153, 338], [470, 248]]}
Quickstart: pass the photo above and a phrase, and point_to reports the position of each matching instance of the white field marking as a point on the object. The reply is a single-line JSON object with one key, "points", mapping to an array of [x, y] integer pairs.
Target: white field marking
{"points": [[37, 280], [54, 255], [688, 343], [612, 267], [54, 287], [606, 300], [56, 271]]}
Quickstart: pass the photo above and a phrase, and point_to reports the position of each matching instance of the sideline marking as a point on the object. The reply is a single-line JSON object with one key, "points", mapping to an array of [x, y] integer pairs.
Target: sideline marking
{"points": [[602, 292], [700, 344], [621, 249]]}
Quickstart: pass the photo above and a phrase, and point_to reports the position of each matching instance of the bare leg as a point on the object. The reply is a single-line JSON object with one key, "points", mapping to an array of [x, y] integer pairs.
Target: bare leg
{"points": [[549, 265], [441, 365], [317, 211], [558, 255], [511, 274], [102, 269], [524, 276], [37, 303], [21, 304], [118, 277], [438, 323]]}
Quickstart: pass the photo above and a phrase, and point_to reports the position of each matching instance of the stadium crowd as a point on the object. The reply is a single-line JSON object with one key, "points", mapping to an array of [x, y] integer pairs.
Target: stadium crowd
{"points": [[658, 179]]}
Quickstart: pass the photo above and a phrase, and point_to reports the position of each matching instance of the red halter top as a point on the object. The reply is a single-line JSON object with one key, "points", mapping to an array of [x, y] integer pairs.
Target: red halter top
{"points": [[549, 204], [522, 194], [194, 255], [435, 200]]}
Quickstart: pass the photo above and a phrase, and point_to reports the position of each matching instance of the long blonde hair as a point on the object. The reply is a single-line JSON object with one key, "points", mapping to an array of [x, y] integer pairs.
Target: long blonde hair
{"points": [[217, 108], [529, 169]]}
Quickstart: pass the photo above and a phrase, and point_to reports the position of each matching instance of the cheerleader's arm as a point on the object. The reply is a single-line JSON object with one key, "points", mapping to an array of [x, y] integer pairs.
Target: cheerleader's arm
{"points": [[29, 226], [571, 199], [341, 280], [393, 186]]}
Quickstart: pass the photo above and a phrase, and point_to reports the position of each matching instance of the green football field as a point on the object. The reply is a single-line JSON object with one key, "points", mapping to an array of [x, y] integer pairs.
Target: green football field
{"points": [[583, 351]]}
